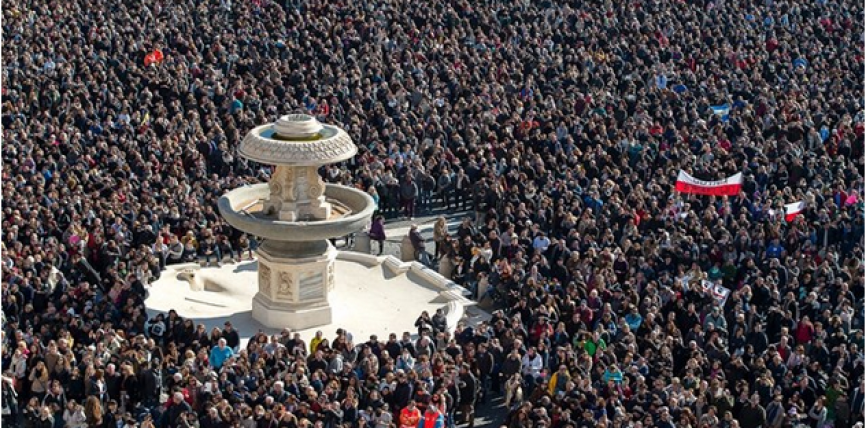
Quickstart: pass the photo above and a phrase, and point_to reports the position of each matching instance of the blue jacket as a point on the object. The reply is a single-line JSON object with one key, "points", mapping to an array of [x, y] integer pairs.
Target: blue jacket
{"points": [[218, 357], [633, 321]]}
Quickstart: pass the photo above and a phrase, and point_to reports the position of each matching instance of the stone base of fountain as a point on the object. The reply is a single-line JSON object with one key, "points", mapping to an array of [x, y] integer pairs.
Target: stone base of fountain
{"points": [[293, 291], [372, 295], [300, 317]]}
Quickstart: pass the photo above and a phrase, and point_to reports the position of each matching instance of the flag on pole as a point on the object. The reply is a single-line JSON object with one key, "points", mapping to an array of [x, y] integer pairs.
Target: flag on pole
{"points": [[728, 187]]}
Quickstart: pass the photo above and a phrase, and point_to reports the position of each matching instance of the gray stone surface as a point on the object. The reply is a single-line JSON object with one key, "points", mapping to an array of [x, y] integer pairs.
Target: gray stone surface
{"points": [[360, 203], [328, 145]]}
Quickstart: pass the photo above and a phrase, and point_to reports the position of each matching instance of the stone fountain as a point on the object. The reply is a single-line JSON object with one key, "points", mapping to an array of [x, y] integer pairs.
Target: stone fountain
{"points": [[295, 214]]}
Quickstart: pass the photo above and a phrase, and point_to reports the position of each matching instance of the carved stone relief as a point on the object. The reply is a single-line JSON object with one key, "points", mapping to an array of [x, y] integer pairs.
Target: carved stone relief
{"points": [[265, 279], [285, 287]]}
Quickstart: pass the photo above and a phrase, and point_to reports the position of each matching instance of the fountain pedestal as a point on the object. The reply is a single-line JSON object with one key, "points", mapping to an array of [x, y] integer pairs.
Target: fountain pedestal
{"points": [[294, 281]]}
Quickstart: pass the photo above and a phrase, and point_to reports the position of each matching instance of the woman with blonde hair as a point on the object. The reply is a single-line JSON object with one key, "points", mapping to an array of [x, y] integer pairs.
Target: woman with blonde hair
{"points": [[513, 390], [39, 379]]}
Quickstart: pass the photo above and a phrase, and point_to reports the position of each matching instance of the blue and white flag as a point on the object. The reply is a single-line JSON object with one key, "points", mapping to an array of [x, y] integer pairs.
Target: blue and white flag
{"points": [[723, 111]]}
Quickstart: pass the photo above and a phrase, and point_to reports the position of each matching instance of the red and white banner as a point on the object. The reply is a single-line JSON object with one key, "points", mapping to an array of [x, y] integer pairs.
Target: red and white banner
{"points": [[728, 187], [793, 210]]}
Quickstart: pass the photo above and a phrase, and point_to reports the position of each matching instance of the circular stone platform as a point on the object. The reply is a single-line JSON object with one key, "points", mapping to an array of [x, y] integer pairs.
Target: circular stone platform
{"points": [[372, 295]]}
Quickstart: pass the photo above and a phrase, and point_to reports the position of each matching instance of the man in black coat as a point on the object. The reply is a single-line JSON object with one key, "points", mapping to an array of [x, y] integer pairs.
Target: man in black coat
{"points": [[177, 410], [440, 323], [484, 365], [468, 385], [112, 382], [481, 201], [151, 384], [753, 415], [231, 336], [403, 391]]}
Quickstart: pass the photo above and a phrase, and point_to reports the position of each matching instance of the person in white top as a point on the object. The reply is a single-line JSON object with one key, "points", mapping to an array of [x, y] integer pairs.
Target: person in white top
{"points": [[531, 368], [73, 416]]}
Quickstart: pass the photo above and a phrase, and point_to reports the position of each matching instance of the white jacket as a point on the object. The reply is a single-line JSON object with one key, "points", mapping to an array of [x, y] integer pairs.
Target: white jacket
{"points": [[532, 366], [75, 418]]}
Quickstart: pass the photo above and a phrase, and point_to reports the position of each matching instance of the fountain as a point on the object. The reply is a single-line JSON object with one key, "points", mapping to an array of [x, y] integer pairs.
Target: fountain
{"points": [[302, 282], [295, 214]]}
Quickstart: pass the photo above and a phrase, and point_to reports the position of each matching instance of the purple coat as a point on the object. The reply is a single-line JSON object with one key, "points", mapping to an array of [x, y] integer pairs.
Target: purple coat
{"points": [[377, 231]]}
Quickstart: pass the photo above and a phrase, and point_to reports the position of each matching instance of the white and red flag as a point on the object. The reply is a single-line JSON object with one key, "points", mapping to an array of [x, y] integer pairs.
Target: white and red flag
{"points": [[730, 186], [793, 210]]}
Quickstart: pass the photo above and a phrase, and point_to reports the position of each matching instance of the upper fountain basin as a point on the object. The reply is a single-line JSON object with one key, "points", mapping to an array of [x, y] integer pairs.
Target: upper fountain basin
{"points": [[241, 208], [297, 140]]}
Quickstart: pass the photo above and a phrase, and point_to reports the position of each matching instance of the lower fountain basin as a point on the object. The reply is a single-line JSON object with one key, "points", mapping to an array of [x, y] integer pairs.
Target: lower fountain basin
{"points": [[241, 208]]}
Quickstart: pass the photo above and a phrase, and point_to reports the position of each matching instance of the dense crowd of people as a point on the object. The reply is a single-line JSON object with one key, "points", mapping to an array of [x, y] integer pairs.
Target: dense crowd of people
{"points": [[560, 127]]}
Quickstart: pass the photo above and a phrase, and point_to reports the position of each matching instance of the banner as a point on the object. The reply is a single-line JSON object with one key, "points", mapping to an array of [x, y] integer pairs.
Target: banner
{"points": [[791, 210], [730, 186], [719, 292]]}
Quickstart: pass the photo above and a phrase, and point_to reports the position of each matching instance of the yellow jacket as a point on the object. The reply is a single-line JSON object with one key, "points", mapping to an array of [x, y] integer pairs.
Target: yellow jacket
{"points": [[314, 343], [551, 386]]}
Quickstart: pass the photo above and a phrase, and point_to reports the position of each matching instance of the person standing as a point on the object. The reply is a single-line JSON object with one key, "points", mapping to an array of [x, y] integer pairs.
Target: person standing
{"points": [[440, 232], [443, 188], [426, 187], [432, 418], [753, 414], [408, 195], [484, 363], [178, 408], [480, 201], [377, 232], [410, 415], [219, 354], [9, 401], [233, 339], [775, 412], [461, 185], [418, 245], [468, 394], [842, 411], [818, 413], [531, 365]]}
